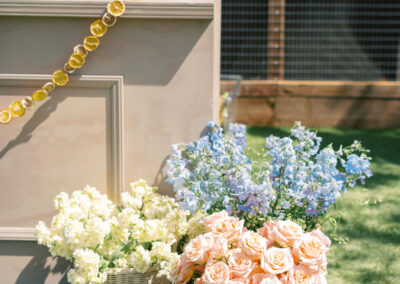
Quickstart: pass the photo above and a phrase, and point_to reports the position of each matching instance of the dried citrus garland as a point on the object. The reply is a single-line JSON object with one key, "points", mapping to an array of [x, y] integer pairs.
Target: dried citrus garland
{"points": [[98, 28]]}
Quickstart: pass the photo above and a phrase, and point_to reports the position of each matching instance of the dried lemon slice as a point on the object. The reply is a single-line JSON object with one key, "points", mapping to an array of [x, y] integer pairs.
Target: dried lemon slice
{"points": [[98, 28], [5, 116], [108, 19], [80, 49], [39, 95], [91, 43], [60, 78], [49, 86], [68, 68], [17, 108], [116, 8], [76, 60], [27, 103]]}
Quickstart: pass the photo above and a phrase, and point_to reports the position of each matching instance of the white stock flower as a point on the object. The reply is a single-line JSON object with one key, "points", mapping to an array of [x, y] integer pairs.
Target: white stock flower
{"points": [[60, 200], [93, 232], [128, 201], [122, 261], [160, 251], [195, 225], [177, 222], [140, 188], [42, 233], [155, 230], [140, 259]]}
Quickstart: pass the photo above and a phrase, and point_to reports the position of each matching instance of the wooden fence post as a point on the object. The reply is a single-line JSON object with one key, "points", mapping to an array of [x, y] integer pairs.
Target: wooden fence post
{"points": [[276, 39]]}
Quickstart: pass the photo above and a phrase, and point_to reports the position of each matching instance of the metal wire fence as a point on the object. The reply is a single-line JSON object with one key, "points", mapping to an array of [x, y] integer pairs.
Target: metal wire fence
{"points": [[311, 39]]}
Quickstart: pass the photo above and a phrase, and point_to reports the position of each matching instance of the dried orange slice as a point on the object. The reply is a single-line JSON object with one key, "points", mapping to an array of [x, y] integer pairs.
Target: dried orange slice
{"points": [[108, 19], [91, 43], [116, 8], [98, 28], [39, 95], [49, 86], [60, 78], [17, 108], [5, 116], [80, 49], [27, 103], [76, 60]]}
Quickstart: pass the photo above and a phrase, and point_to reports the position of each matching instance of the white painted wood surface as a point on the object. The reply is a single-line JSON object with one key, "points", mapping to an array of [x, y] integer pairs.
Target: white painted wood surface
{"points": [[152, 82]]}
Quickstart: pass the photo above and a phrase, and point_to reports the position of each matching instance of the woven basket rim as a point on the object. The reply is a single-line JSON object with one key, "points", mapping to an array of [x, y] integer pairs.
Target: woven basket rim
{"points": [[151, 270]]}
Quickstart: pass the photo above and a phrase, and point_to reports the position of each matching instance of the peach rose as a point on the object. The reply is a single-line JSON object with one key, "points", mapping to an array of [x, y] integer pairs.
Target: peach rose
{"points": [[267, 229], [318, 278], [285, 233], [239, 281], [277, 260], [322, 237], [183, 271], [264, 278], [217, 273], [310, 251], [239, 264], [298, 275], [253, 244], [257, 269], [209, 221], [197, 249], [230, 228], [217, 245]]}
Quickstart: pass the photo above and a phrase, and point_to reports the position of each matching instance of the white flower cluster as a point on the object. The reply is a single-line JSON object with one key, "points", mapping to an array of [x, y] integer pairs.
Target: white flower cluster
{"points": [[86, 268], [98, 235]]}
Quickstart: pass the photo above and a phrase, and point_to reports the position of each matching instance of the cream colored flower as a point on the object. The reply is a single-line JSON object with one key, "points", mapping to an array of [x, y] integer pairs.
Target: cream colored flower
{"points": [[197, 250], [239, 264], [195, 225], [253, 244], [140, 259], [217, 273], [183, 271], [88, 221], [266, 230], [285, 233], [277, 260], [265, 278], [229, 227], [310, 252], [298, 275], [42, 233], [322, 237]]}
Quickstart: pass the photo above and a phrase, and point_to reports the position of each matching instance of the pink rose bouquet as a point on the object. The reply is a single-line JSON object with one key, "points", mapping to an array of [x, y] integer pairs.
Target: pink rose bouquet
{"points": [[279, 253]]}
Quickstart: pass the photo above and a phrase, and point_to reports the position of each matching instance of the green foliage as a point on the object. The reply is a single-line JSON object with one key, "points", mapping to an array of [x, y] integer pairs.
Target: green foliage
{"points": [[365, 223], [181, 244]]}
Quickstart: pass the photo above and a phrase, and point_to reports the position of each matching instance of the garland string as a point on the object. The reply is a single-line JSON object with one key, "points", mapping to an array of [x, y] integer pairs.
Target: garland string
{"points": [[115, 9]]}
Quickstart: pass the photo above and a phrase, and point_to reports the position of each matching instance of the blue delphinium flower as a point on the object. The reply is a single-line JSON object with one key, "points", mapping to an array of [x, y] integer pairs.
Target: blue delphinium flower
{"points": [[357, 165], [238, 133], [297, 178]]}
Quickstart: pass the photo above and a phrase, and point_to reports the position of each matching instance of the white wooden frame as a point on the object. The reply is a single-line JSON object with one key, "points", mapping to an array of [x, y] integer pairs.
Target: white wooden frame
{"points": [[183, 9], [115, 170]]}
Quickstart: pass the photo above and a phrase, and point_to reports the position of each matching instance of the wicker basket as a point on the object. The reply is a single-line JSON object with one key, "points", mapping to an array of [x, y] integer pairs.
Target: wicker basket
{"points": [[128, 276]]}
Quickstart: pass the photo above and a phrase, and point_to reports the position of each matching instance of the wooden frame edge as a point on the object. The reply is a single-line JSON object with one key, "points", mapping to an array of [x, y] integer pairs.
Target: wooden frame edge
{"points": [[17, 234], [116, 166], [187, 9]]}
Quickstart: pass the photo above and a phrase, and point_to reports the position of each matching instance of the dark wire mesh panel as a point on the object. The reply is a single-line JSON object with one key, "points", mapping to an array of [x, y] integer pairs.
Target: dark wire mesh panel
{"points": [[244, 38], [323, 40], [342, 40]]}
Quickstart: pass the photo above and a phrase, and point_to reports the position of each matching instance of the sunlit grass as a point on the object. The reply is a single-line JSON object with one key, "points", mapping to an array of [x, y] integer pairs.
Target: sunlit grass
{"points": [[369, 216]]}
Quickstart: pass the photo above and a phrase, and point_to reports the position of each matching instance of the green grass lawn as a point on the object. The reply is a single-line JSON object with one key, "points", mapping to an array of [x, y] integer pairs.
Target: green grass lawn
{"points": [[370, 215]]}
